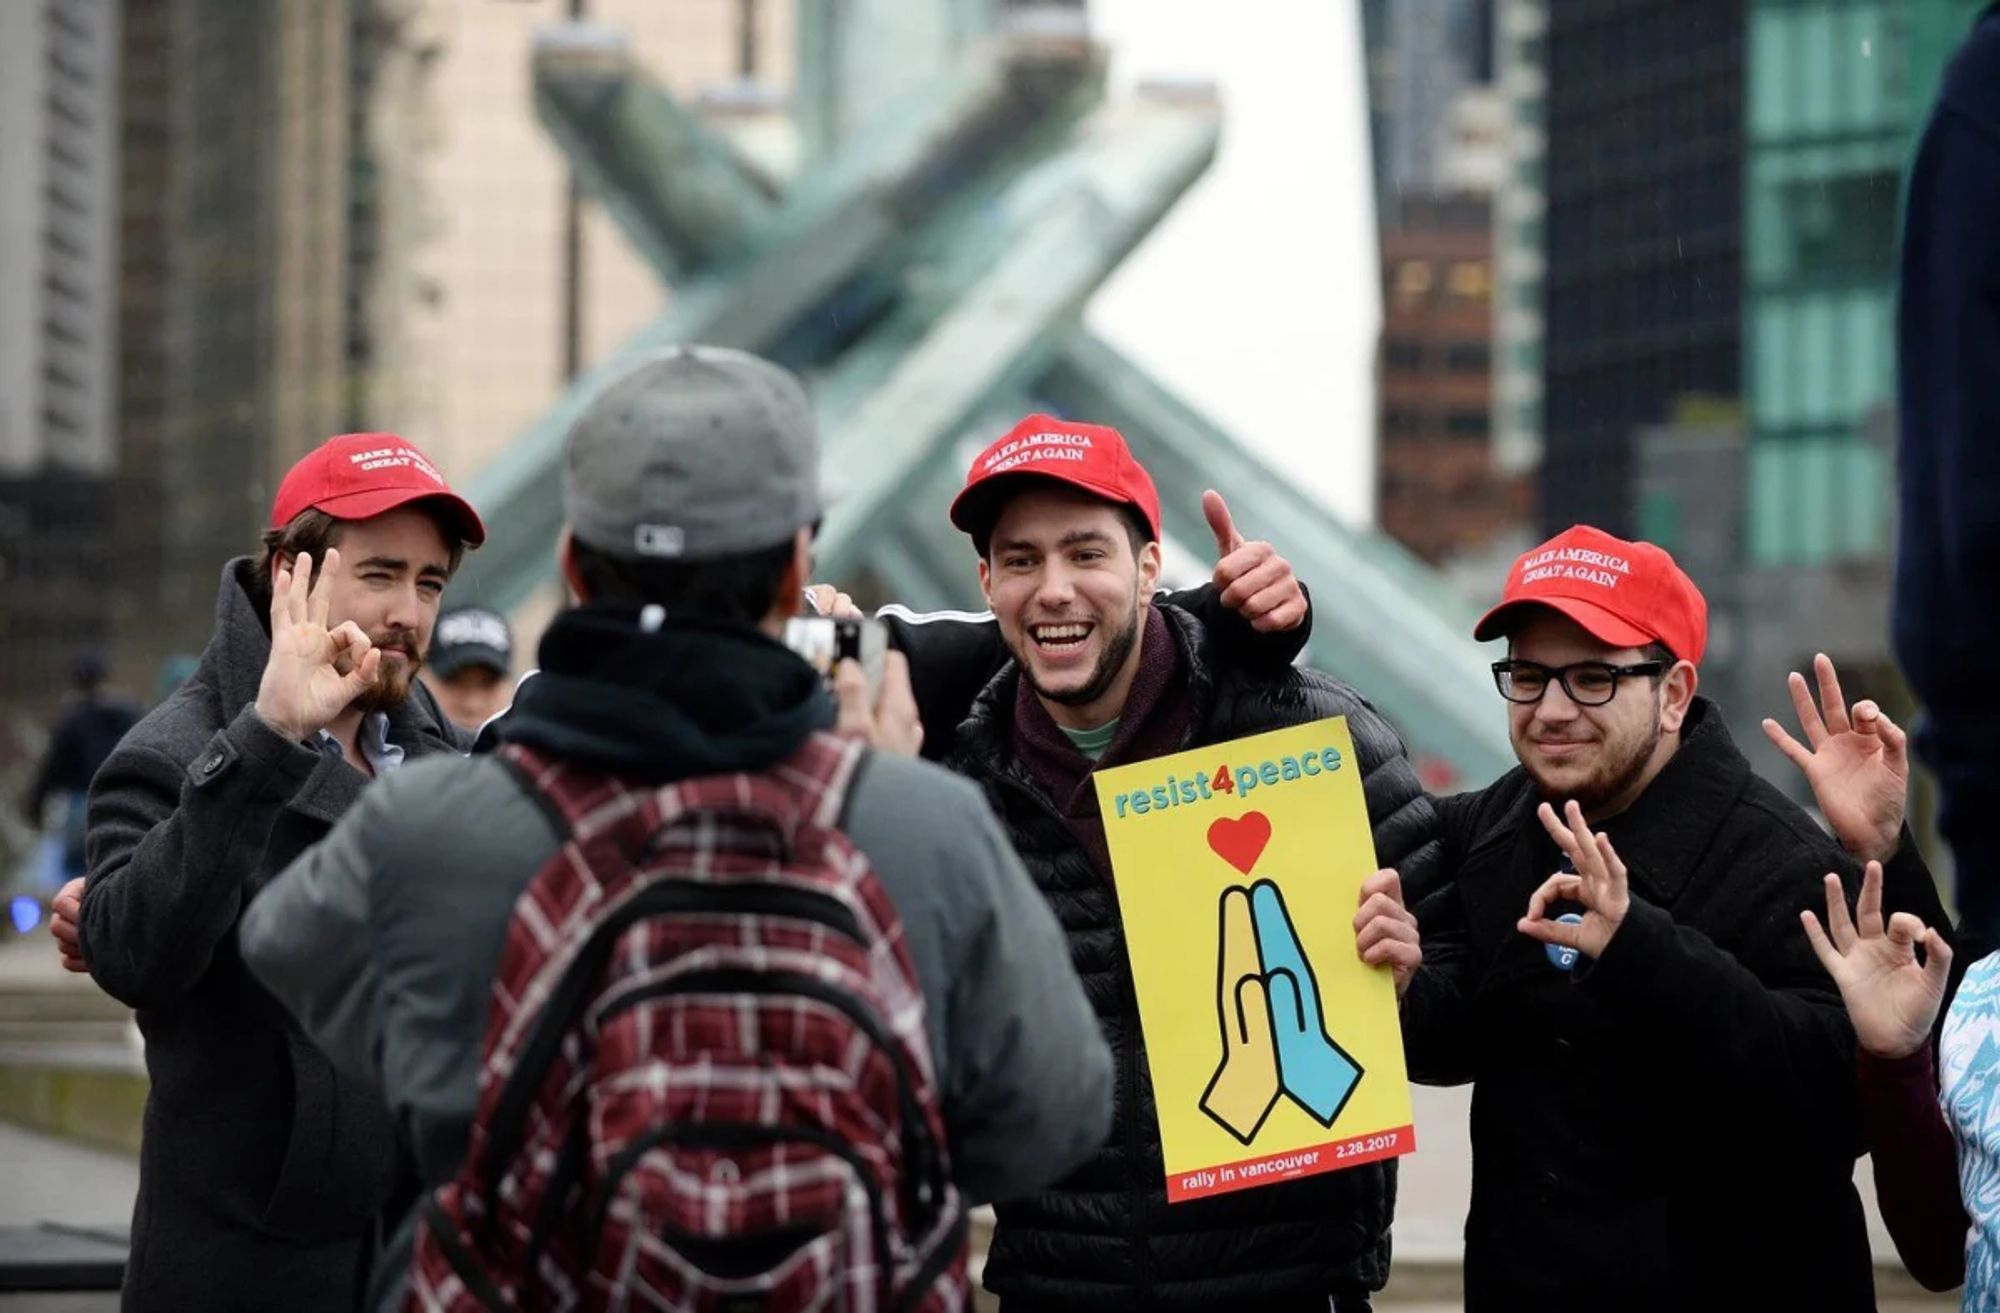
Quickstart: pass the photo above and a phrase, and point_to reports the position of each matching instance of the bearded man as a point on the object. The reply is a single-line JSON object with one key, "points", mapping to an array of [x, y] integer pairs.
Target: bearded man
{"points": [[1664, 1112], [261, 1171], [1066, 525]]}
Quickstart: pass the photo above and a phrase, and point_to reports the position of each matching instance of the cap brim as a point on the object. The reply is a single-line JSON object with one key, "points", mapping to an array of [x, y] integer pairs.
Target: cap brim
{"points": [[380, 501], [1599, 623], [449, 662], [974, 509]]}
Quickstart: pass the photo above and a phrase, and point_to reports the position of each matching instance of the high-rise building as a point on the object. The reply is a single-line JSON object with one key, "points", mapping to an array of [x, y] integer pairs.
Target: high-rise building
{"points": [[1520, 231], [1440, 494], [1643, 229], [1421, 57], [239, 228], [1439, 127], [476, 295], [59, 357], [58, 234], [1837, 94], [1838, 91]]}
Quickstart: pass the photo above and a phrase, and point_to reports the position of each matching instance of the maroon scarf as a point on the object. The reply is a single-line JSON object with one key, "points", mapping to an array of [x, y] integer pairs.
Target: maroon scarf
{"points": [[1154, 722]]}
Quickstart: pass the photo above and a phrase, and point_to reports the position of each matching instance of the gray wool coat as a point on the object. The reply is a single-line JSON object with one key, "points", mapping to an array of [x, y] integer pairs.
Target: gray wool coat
{"points": [[261, 1170]]}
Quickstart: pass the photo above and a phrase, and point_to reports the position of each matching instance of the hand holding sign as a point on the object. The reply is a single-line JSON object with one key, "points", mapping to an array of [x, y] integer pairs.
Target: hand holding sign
{"points": [[1599, 883], [1385, 933]]}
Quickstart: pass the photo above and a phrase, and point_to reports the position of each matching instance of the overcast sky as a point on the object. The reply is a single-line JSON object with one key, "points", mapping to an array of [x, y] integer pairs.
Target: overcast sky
{"points": [[1257, 298]]}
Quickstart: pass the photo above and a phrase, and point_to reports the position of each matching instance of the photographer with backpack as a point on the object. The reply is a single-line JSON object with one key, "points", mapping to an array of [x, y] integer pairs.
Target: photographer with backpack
{"points": [[762, 1009]]}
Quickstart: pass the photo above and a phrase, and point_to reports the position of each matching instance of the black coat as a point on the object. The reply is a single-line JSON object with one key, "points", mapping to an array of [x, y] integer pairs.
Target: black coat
{"points": [[1675, 1125], [1947, 610], [1105, 1239], [260, 1170]]}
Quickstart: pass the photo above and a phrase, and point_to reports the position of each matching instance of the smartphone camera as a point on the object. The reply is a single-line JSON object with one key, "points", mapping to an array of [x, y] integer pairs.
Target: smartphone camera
{"points": [[824, 641]]}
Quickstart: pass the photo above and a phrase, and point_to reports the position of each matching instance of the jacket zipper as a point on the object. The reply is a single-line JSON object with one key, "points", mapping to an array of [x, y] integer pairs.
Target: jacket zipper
{"points": [[1136, 1189]]}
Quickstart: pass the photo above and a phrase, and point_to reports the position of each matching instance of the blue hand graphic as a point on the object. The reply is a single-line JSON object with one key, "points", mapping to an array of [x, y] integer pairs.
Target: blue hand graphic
{"points": [[1314, 1070]]}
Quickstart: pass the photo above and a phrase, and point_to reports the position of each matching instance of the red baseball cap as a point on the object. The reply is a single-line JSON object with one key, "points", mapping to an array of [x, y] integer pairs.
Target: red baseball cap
{"points": [[1625, 594], [357, 476], [1092, 457]]}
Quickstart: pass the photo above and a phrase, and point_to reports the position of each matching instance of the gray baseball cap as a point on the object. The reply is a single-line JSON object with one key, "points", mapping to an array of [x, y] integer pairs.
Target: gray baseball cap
{"points": [[691, 453]]}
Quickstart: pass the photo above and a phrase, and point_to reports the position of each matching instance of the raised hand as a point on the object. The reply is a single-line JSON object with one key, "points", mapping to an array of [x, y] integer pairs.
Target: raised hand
{"points": [[1891, 998], [314, 673], [1599, 883], [1315, 1071], [1385, 931], [825, 599], [1858, 766], [1251, 577], [1245, 1087]]}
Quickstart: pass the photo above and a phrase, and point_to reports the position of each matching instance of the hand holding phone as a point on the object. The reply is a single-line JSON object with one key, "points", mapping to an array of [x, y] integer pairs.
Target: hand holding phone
{"points": [[824, 641]]}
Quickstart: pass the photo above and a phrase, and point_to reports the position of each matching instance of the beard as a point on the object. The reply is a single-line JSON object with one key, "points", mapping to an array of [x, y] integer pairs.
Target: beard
{"points": [[1620, 765], [1117, 649], [392, 679]]}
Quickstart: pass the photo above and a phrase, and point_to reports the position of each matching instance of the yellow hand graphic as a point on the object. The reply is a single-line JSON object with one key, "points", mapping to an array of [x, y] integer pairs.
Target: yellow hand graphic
{"points": [[1245, 1086]]}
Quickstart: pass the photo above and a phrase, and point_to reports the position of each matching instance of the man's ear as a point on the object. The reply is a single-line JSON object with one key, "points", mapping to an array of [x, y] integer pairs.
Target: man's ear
{"points": [[796, 578], [1677, 695], [566, 562], [986, 582], [1149, 571]]}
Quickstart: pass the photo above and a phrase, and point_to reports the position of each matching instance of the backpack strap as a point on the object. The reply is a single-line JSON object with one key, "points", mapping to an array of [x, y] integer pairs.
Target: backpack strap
{"points": [[462, 1263], [528, 769]]}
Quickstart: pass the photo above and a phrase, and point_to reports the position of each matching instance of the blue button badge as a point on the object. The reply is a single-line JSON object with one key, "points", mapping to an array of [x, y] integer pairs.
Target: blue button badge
{"points": [[1563, 958]]}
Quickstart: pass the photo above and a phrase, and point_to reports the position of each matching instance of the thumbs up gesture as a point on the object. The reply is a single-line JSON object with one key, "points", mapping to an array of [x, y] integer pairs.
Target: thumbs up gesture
{"points": [[1251, 577]]}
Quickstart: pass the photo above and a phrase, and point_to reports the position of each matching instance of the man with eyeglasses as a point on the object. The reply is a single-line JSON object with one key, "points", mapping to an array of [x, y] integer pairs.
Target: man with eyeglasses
{"points": [[1664, 1113]]}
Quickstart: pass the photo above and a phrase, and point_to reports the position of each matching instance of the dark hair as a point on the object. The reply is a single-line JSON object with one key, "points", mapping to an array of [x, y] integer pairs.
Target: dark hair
{"points": [[741, 588], [1661, 653], [313, 530], [1135, 529]]}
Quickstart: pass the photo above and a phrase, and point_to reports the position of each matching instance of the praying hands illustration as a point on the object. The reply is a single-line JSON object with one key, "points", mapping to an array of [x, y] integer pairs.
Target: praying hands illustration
{"points": [[1274, 1037]]}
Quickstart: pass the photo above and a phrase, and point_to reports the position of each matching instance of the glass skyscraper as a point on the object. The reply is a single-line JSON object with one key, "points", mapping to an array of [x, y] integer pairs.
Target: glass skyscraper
{"points": [[1837, 91]]}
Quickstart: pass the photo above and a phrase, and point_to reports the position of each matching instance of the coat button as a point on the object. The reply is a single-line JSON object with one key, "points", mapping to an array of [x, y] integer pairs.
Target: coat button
{"points": [[213, 764], [1546, 1188]]}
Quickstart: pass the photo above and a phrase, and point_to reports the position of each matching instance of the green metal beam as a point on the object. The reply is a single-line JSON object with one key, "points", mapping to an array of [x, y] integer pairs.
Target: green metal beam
{"points": [[1067, 226], [679, 192], [871, 212]]}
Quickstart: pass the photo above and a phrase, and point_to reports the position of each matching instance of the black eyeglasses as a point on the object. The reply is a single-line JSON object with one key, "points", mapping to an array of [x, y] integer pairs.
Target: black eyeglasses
{"points": [[1588, 683]]}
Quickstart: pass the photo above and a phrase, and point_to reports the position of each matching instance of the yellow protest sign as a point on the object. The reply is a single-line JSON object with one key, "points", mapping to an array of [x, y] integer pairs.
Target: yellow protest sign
{"points": [[1275, 1052]]}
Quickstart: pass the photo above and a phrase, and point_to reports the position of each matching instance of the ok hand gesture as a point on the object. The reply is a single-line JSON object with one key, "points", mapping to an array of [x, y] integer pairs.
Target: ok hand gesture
{"points": [[1599, 883], [314, 673], [1858, 765], [1891, 998]]}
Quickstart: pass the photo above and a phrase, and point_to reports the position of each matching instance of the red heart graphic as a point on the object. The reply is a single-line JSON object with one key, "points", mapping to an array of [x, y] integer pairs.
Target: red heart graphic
{"points": [[1240, 842]]}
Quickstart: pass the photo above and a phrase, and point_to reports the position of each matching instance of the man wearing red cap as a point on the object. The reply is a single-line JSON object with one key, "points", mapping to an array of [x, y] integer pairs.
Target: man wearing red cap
{"points": [[1664, 1111], [261, 1170], [1067, 524]]}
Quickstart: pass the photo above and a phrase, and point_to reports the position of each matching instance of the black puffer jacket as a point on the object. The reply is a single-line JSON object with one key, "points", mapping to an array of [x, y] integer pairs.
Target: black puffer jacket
{"points": [[1105, 1239]]}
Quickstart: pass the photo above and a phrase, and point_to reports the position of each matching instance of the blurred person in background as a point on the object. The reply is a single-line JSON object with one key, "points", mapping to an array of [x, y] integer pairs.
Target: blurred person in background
{"points": [[85, 735], [470, 669], [1947, 589], [262, 1170]]}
